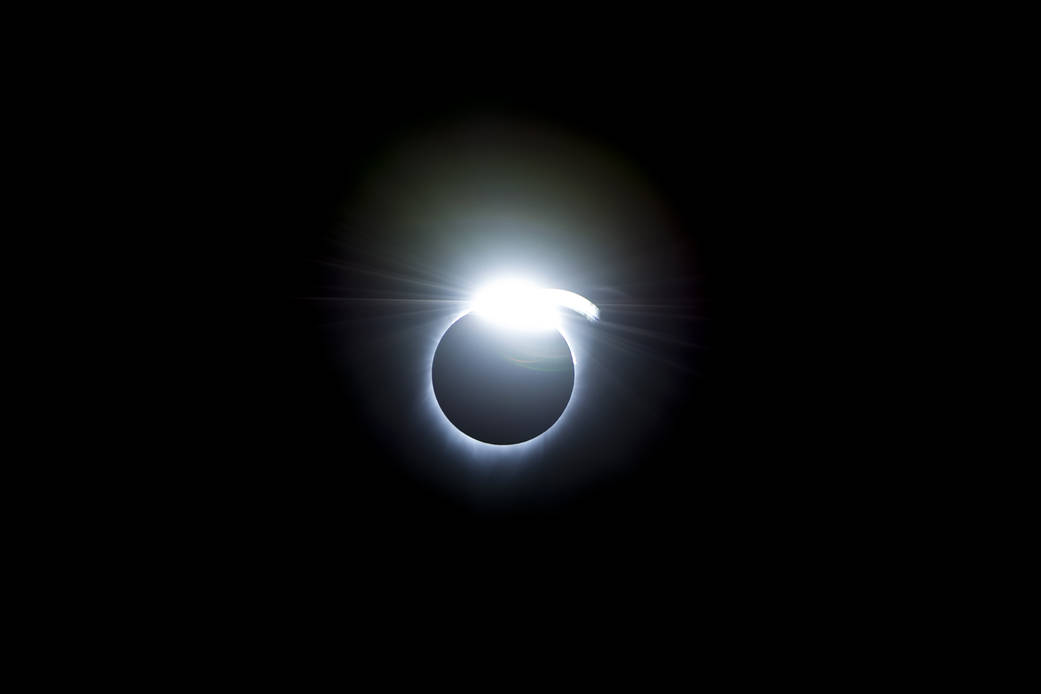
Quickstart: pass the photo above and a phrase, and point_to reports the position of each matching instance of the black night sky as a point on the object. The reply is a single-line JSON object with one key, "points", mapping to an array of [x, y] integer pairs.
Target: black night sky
{"points": [[705, 432]]}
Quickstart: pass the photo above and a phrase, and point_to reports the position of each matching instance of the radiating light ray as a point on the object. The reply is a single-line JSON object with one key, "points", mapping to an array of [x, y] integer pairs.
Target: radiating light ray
{"points": [[638, 305], [410, 264], [387, 300], [391, 276], [652, 334], [656, 309], [384, 317]]}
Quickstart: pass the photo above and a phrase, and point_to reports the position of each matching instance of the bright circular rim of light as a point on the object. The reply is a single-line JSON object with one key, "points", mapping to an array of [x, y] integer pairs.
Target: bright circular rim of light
{"points": [[517, 303]]}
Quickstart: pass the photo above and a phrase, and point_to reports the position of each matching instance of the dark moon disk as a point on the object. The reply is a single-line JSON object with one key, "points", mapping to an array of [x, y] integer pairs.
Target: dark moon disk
{"points": [[499, 385]]}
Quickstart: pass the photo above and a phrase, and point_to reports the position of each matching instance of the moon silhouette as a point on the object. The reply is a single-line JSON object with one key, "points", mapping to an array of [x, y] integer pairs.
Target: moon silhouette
{"points": [[502, 386]]}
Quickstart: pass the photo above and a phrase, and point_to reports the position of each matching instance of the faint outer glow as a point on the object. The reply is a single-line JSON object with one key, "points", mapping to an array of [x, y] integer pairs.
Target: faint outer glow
{"points": [[521, 305]]}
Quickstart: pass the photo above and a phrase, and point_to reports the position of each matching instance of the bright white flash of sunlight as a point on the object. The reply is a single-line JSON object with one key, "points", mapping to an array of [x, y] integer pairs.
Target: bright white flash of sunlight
{"points": [[522, 305]]}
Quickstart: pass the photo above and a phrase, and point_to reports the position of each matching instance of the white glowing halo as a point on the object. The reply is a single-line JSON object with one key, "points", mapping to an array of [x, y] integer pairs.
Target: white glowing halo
{"points": [[521, 305]]}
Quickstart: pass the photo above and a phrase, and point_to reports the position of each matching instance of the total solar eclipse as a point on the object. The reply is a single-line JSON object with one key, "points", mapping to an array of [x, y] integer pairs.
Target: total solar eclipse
{"points": [[503, 373]]}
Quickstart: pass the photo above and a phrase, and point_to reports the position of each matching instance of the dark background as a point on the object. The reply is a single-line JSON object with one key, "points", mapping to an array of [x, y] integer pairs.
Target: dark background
{"points": [[749, 156], [759, 488]]}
